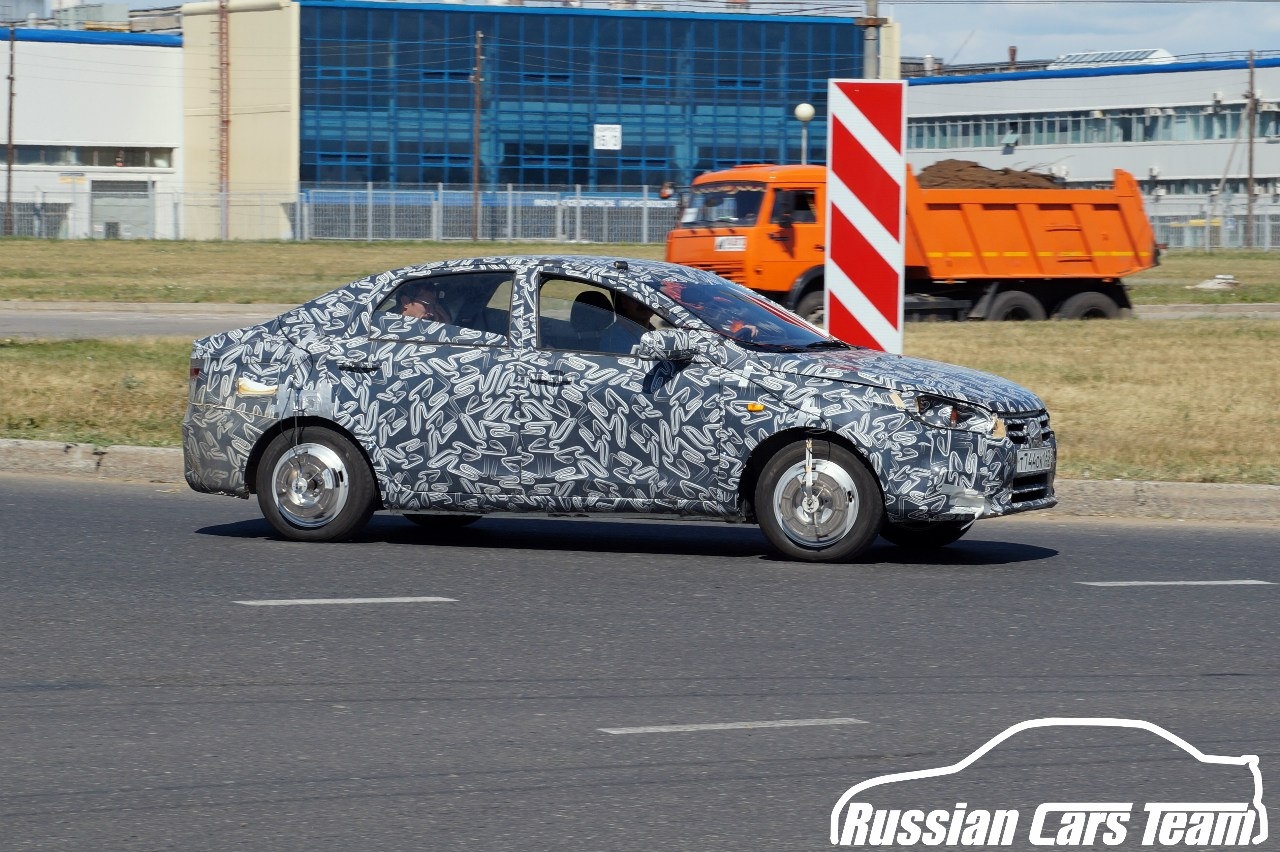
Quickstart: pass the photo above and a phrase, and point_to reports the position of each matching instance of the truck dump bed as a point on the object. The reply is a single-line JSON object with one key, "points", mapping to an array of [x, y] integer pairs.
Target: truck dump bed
{"points": [[1027, 234]]}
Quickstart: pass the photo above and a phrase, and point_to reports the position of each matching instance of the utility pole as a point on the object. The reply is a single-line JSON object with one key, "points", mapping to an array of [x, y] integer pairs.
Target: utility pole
{"points": [[1250, 110], [871, 40], [224, 119], [477, 81], [8, 157]]}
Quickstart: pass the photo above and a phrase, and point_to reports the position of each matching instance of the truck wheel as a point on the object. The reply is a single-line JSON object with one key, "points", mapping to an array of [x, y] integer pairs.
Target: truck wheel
{"points": [[813, 308], [1015, 305], [818, 503], [1087, 306], [314, 485], [911, 535]]}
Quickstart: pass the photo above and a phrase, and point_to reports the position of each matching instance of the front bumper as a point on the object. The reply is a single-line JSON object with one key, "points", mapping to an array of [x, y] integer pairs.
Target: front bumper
{"points": [[969, 476]]}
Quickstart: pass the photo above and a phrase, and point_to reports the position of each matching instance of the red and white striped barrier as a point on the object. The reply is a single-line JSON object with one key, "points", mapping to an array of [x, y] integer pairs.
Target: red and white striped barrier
{"points": [[866, 215]]}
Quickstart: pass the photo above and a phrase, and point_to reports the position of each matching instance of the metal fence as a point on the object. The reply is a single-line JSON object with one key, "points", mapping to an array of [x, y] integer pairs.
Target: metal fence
{"points": [[1219, 227], [557, 215], [572, 214]]}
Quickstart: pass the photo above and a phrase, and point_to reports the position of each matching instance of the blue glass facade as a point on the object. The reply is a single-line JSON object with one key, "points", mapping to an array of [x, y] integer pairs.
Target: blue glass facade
{"points": [[387, 95]]}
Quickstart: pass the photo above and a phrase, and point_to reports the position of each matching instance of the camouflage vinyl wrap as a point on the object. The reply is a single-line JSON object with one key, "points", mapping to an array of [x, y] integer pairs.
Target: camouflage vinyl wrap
{"points": [[470, 420]]}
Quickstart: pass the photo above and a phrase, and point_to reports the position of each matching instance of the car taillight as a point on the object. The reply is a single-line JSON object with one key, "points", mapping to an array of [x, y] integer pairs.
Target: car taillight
{"points": [[195, 387]]}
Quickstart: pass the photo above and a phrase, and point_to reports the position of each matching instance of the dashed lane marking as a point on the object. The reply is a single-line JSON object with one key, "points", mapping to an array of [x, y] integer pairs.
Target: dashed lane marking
{"points": [[327, 601], [729, 726], [1179, 583]]}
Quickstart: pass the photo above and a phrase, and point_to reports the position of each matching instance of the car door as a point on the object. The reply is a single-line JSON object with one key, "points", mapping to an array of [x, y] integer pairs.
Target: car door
{"points": [[432, 395], [608, 425]]}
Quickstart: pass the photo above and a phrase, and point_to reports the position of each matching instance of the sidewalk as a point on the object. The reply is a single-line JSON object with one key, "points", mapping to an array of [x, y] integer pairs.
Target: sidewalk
{"points": [[1116, 498]]}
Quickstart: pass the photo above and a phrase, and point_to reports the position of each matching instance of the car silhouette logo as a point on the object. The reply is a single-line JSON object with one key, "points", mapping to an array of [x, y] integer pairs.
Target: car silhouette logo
{"points": [[1155, 823]]}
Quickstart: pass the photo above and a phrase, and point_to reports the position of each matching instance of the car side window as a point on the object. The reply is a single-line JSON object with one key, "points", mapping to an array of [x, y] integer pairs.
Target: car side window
{"points": [[584, 317], [450, 308]]}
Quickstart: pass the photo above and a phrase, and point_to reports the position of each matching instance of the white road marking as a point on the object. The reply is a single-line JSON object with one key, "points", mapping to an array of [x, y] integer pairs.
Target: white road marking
{"points": [[1180, 583], [322, 601], [729, 726]]}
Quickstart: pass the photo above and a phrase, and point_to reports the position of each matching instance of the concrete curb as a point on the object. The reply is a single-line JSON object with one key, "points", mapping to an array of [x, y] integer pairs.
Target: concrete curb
{"points": [[1111, 498], [118, 463]]}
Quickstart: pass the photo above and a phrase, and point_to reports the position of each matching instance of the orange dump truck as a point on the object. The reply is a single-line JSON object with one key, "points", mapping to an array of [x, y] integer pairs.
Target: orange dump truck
{"points": [[995, 254]]}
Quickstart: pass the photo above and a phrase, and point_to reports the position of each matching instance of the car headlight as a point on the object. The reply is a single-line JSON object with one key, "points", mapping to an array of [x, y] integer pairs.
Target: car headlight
{"points": [[943, 413]]}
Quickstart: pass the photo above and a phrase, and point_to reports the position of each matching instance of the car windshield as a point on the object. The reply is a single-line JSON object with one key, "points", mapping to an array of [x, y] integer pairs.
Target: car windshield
{"points": [[750, 319], [723, 204]]}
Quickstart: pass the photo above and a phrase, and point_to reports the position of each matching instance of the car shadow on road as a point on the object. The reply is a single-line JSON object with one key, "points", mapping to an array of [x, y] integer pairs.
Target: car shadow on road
{"points": [[670, 538]]}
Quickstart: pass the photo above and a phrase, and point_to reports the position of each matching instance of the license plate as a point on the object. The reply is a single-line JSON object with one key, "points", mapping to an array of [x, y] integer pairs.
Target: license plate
{"points": [[1035, 460]]}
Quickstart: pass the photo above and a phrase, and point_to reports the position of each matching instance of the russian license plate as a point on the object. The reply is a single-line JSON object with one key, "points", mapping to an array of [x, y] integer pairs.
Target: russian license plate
{"points": [[1035, 460]]}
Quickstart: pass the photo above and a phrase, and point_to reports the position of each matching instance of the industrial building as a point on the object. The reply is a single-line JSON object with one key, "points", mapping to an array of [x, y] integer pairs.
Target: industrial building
{"points": [[97, 130]]}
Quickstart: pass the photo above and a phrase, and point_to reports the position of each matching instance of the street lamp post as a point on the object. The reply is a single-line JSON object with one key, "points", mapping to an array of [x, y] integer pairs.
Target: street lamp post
{"points": [[804, 112]]}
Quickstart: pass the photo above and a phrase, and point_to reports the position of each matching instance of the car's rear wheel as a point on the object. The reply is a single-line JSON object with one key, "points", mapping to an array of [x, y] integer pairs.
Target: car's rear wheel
{"points": [[922, 535], [314, 485], [818, 502], [442, 523]]}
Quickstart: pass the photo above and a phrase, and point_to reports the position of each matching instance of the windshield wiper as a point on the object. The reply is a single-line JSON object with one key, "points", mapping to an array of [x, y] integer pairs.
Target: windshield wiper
{"points": [[828, 344]]}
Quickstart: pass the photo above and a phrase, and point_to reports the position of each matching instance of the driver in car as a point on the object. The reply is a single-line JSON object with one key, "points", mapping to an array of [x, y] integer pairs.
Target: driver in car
{"points": [[422, 301]]}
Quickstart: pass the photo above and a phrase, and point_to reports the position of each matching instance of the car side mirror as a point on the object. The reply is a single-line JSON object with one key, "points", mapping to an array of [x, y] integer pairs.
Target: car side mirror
{"points": [[675, 344]]}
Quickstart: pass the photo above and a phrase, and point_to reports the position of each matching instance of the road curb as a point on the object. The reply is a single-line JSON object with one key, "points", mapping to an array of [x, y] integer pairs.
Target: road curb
{"points": [[1111, 498], [116, 463]]}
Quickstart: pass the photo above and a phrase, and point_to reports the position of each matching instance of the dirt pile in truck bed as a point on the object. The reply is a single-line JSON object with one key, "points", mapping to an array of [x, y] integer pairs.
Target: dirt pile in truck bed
{"points": [[966, 174]]}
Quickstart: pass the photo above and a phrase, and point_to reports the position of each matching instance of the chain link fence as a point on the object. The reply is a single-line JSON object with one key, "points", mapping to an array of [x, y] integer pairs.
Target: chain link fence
{"points": [[555, 215]]}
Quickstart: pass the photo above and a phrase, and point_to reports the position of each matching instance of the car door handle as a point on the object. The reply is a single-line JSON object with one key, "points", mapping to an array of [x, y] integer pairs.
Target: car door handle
{"points": [[359, 366], [549, 377]]}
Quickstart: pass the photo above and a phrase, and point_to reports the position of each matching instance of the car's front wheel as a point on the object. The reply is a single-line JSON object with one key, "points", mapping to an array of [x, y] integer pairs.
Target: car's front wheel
{"points": [[818, 502], [922, 535], [314, 485]]}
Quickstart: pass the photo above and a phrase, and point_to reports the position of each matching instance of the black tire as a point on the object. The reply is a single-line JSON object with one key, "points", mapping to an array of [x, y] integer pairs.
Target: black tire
{"points": [[923, 535], [1015, 306], [832, 518], [1087, 306], [314, 485], [442, 523], [813, 308]]}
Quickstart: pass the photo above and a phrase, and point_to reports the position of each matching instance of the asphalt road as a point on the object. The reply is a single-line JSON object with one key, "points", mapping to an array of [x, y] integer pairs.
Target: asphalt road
{"points": [[145, 705], [75, 320]]}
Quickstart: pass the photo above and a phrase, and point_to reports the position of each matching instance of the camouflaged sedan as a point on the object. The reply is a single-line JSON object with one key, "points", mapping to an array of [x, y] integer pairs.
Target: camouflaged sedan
{"points": [[573, 385]]}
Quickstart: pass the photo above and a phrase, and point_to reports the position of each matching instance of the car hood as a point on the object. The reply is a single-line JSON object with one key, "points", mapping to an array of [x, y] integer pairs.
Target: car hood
{"points": [[899, 373]]}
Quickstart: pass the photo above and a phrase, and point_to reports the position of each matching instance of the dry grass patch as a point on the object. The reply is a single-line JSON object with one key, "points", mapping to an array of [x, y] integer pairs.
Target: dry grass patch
{"points": [[1258, 274], [233, 272], [94, 391], [1180, 400]]}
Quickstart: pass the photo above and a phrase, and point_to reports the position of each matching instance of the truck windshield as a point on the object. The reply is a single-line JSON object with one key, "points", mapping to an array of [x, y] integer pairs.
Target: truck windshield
{"points": [[723, 204]]}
